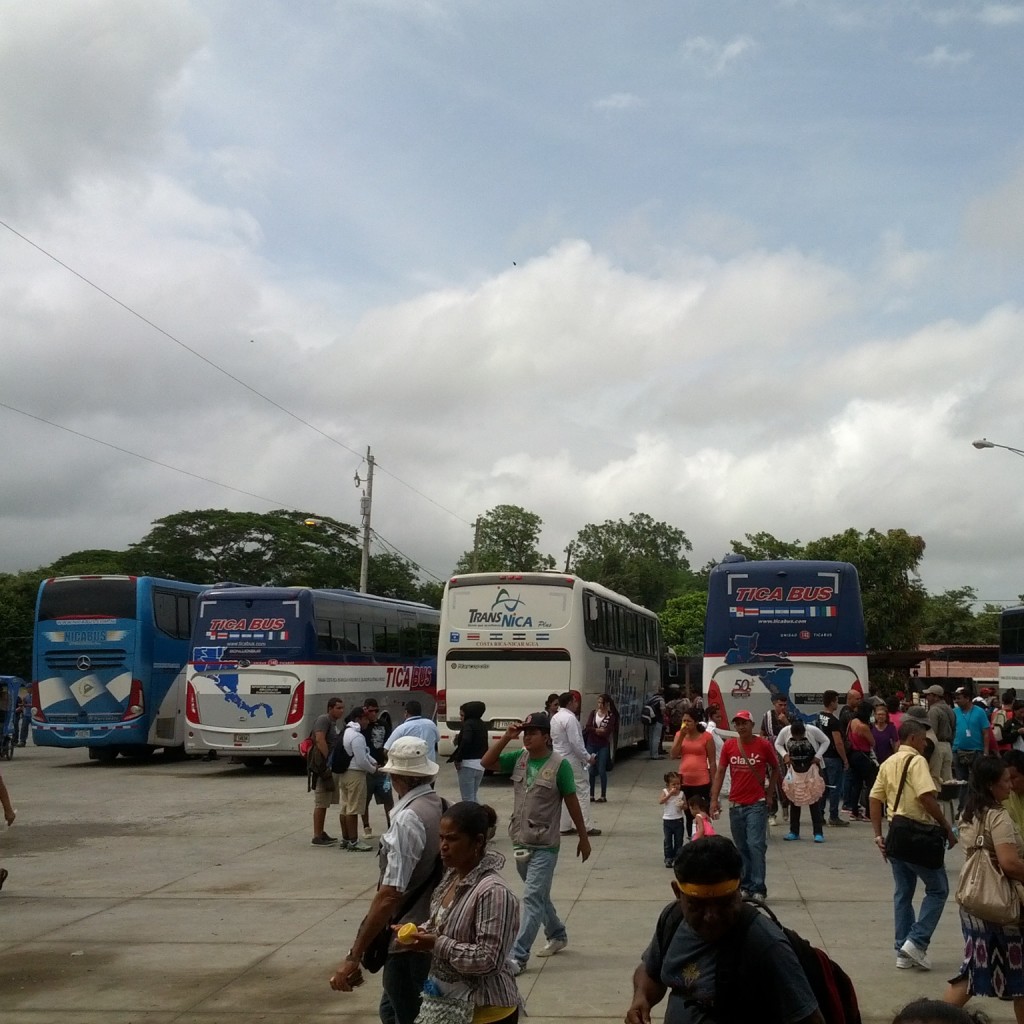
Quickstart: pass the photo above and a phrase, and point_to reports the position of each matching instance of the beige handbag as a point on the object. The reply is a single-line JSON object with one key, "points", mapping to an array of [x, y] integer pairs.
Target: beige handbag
{"points": [[983, 890]]}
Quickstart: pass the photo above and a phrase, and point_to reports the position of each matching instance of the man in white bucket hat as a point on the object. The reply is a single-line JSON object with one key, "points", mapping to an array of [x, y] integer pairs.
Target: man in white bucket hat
{"points": [[409, 856]]}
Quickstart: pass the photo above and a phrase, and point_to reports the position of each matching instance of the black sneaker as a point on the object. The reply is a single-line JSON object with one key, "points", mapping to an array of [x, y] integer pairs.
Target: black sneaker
{"points": [[324, 840]]}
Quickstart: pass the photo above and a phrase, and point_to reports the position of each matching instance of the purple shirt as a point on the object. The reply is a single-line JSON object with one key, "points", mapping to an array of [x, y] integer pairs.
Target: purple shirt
{"points": [[885, 740]]}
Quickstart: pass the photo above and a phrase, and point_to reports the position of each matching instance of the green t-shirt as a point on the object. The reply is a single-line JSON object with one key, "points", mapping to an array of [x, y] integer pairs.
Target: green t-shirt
{"points": [[1015, 805], [564, 780]]}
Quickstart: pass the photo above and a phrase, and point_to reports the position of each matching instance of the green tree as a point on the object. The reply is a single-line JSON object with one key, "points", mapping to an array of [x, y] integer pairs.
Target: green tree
{"points": [[17, 613], [682, 623], [276, 547], [764, 546], [506, 541], [887, 565], [92, 561], [641, 558], [948, 618]]}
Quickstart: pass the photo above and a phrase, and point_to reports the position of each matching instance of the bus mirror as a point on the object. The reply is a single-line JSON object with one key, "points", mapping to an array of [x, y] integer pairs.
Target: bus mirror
{"points": [[673, 664]]}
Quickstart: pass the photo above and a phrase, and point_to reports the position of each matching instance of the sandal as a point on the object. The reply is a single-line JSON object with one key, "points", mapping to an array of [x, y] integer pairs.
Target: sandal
{"points": [[3, 876]]}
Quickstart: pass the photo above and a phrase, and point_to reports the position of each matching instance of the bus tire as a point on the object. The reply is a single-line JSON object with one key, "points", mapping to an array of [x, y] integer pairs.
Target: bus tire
{"points": [[252, 763], [105, 755]]}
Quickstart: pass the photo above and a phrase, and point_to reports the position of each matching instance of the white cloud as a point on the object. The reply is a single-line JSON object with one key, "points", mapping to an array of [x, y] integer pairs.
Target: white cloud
{"points": [[713, 57], [995, 220], [618, 101], [944, 57], [86, 86], [1002, 14]]}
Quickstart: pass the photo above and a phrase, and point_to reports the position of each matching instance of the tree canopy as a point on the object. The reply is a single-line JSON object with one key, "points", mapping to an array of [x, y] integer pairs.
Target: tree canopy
{"points": [[506, 541], [640, 557]]}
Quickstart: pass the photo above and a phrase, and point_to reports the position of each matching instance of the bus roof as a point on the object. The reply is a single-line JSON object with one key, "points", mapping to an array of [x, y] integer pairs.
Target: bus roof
{"points": [[246, 593], [541, 579]]}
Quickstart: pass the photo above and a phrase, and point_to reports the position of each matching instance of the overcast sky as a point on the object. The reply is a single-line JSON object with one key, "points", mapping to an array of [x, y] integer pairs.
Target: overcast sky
{"points": [[740, 265]]}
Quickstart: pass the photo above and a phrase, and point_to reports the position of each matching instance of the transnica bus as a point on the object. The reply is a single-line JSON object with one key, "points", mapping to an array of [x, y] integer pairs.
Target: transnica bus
{"points": [[1011, 649], [789, 627], [265, 660], [108, 661], [511, 639]]}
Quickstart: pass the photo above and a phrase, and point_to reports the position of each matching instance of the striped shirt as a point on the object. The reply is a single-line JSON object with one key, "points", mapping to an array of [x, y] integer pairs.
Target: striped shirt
{"points": [[475, 938]]}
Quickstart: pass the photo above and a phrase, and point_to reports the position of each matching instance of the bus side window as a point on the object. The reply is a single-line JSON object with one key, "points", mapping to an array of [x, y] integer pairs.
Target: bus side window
{"points": [[165, 612]]}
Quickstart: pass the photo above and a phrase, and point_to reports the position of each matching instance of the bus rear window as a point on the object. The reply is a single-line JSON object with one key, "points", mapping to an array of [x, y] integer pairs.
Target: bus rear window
{"points": [[70, 599]]}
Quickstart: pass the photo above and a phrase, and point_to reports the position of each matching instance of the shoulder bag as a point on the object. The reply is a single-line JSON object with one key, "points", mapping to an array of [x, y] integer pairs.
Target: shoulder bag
{"points": [[983, 890], [914, 841], [376, 953]]}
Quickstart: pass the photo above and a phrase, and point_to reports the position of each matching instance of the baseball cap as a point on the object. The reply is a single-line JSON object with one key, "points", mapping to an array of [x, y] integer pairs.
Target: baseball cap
{"points": [[537, 720], [935, 690], [745, 715]]}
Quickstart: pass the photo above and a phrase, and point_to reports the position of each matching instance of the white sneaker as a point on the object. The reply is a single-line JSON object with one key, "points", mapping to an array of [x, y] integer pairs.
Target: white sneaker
{"points": [[368, 831], [919, 956], [773, 819], [553, 946], [903, 962], [515, 967]]}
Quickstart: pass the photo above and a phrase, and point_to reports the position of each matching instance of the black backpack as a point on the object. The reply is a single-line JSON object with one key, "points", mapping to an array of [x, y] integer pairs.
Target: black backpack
{"points": [[340, 758], [831, 985]]}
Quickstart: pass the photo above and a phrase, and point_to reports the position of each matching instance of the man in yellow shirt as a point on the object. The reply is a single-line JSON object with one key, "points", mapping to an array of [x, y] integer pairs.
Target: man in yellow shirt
{"points": [[1014, 803], [918, 802]]}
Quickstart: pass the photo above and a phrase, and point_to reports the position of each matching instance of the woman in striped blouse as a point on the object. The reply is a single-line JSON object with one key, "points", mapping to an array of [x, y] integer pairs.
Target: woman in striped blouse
{"points": [[474, 918]]}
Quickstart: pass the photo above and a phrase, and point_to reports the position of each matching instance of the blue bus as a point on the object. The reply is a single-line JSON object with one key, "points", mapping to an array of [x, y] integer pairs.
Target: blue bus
{"points": [[1011, 649], [108, 663], [790, 627], [265, 660]]}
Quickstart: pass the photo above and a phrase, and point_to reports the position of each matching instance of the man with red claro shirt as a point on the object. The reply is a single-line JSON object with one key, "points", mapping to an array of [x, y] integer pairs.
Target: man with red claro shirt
{"points": [[753, 768]]}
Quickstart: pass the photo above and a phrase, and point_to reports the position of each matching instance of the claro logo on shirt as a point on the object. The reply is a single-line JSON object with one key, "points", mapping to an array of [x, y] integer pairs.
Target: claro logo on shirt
{"points": [[738, 761]]}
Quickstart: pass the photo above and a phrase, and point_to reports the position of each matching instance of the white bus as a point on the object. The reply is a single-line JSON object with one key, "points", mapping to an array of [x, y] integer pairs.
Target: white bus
{"points": [[265, 660], [511, 639]]}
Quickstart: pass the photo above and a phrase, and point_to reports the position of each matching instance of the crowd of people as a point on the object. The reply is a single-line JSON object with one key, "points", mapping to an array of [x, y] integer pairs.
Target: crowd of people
{"points": [[456, 935]]}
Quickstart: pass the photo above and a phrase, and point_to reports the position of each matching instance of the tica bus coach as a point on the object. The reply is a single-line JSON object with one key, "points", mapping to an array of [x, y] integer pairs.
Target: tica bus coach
{"points": [[510, 639], [108, 663], [791, 627], [265, 660]]}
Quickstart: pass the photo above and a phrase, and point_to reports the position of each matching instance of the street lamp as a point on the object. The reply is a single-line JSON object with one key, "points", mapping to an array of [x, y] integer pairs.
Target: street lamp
{"points": [[985, 443]]}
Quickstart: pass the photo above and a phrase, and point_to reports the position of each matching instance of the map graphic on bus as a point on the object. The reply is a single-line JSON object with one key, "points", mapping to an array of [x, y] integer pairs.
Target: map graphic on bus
{"points": [[774, 670]]}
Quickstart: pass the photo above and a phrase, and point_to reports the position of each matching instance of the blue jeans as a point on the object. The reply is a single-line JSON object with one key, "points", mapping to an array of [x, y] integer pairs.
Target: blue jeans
{"points": [[834, 782], [536, 907], [936, 889], [749, 825], [675, 835], [599, 769], [402, 983], [469, 782], [654, 738]]}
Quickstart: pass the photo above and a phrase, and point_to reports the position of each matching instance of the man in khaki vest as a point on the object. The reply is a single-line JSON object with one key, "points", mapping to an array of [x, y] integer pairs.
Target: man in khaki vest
{"points": [[542, 781]]}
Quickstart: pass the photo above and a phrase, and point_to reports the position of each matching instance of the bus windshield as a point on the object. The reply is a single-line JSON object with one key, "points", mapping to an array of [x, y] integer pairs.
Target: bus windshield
{"points": [[77, 598], [230, 628]]}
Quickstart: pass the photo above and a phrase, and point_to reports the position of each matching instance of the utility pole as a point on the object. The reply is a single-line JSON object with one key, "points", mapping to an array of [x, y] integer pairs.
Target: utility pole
{"points": [[475, 558], [365, 504]]}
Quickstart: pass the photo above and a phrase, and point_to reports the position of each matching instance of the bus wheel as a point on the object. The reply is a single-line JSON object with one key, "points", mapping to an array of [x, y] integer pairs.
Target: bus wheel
{"points": [[252, 763], [105, 755]]}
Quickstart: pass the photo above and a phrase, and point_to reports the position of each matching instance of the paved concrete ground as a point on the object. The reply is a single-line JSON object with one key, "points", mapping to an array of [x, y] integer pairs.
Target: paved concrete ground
{"points": [[188, 892]]}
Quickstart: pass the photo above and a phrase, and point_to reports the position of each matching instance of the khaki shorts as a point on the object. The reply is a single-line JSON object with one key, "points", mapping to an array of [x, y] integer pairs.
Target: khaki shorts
{"points": [[353, 791], [324, 797]]}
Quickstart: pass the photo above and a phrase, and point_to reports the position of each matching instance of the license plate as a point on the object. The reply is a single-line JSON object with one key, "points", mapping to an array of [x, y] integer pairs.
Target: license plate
{"points": [[83, 732], [502, 723], [241, 737]]}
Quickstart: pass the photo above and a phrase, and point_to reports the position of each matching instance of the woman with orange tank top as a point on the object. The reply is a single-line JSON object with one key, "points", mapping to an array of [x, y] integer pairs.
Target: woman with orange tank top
{"points": [[695, 749]]}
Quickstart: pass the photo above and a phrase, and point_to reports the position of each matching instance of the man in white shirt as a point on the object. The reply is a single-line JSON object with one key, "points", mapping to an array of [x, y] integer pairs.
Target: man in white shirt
{"points": [[567, 741]]}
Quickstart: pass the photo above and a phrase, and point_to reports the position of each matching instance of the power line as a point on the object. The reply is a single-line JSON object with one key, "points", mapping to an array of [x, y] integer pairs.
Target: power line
{"points": [[389, 547], [209, 362], [145, 458]]}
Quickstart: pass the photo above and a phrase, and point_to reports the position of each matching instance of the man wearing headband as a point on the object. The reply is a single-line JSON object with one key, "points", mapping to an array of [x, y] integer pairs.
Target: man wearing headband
{"points": [[691, 963]]}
